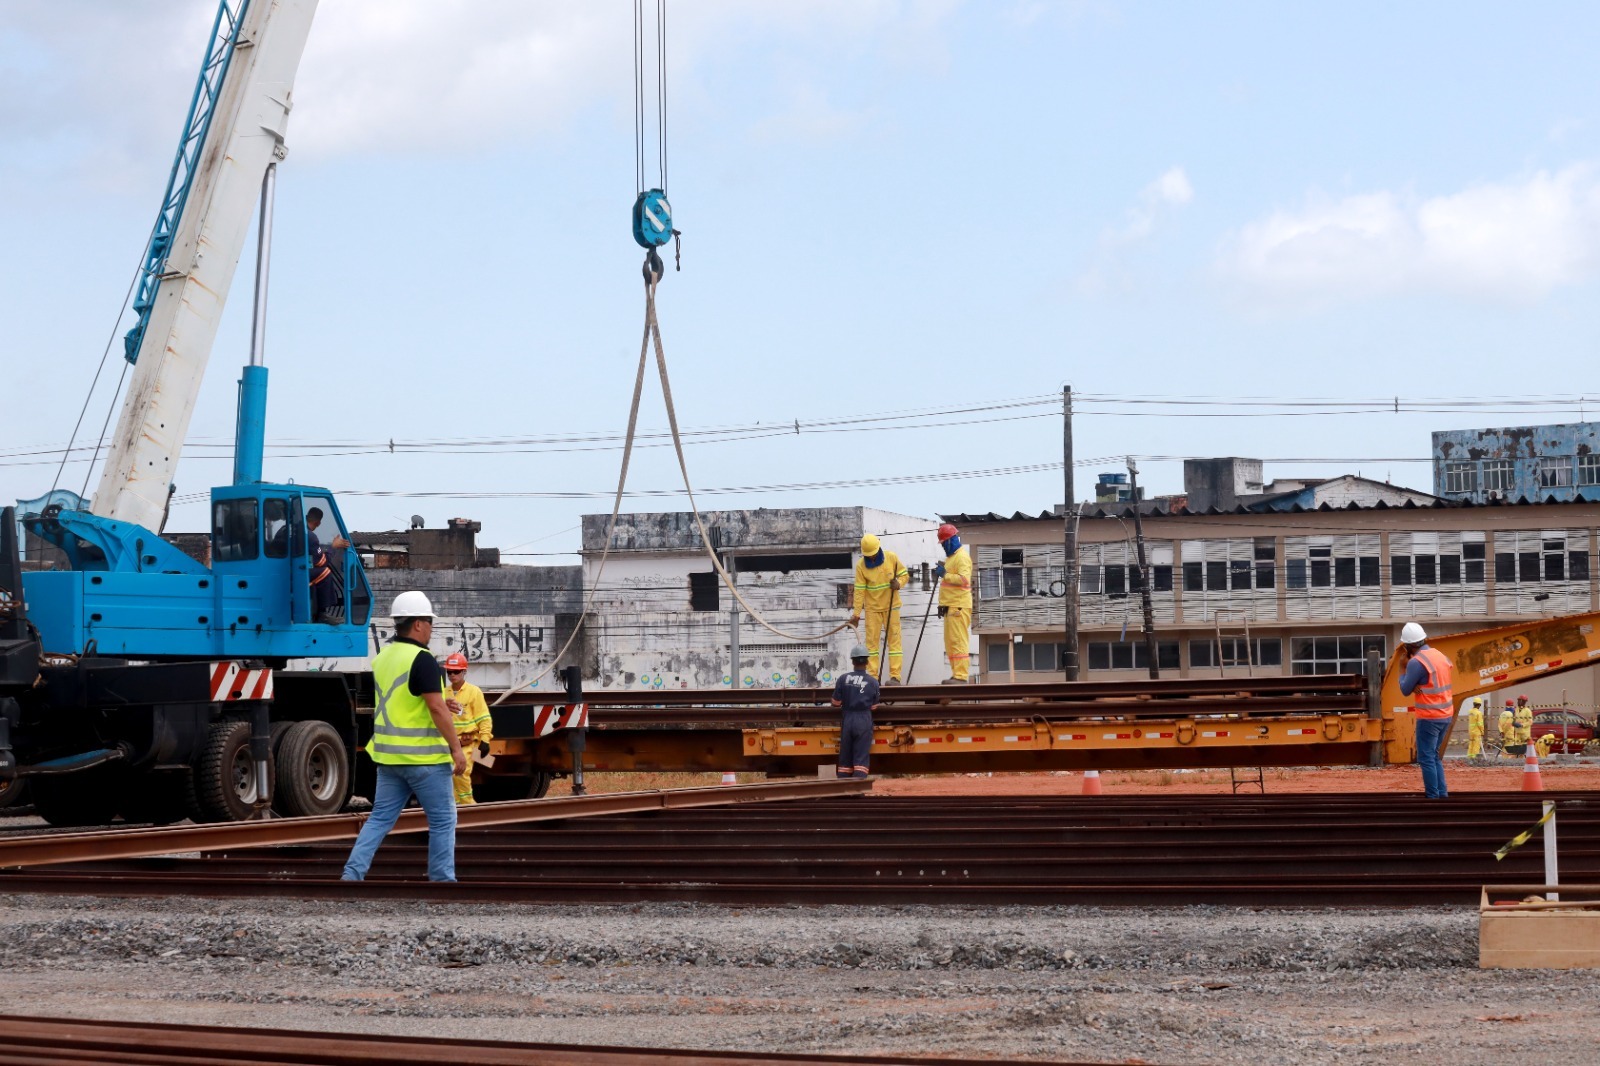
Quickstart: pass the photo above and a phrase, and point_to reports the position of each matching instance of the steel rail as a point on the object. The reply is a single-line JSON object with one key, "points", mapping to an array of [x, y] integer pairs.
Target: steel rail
{"points": [[676, 717], [28, 1040], [944, 695], [1350, 849], [139, 843]]}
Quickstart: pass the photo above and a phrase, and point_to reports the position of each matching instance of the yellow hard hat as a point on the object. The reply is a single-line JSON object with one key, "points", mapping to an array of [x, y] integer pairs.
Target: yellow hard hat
{"points": [[869, 545]]}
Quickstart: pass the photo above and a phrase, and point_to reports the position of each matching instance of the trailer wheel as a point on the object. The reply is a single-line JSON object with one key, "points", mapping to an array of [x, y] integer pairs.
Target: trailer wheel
{"points": [[11, 795], [494, 789], [84, 798], [225, 775], [313, 770]]}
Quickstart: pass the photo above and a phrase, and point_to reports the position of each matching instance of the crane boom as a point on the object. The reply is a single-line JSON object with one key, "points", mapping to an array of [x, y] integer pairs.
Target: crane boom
{"points": [[235, 130]]}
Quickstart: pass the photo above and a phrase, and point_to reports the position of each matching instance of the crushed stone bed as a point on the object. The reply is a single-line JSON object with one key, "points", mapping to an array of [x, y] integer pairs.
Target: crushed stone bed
{"points": [[1185, 985]]}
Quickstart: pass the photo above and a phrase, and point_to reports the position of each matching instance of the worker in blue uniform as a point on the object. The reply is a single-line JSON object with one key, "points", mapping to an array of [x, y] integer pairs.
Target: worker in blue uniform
{"points": [[856, 696]]}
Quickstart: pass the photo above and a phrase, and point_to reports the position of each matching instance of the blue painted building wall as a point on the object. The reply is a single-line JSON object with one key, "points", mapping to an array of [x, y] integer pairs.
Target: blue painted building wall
{"points": [[1524, 462]]}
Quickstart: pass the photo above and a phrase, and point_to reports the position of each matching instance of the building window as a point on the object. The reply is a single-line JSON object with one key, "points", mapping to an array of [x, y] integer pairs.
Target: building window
{"points": [[1294, 573], [1498, 475], [1333, 655], [1040, 656], [1370, 571], [1266, 562], [1203, 653], [1472, 559], [1130, 655], [1589, 469], [1555, 471], [1011, 571], [1461, 477], [1116, 580], [705, 592], [1089, 579], [1321, 567]]}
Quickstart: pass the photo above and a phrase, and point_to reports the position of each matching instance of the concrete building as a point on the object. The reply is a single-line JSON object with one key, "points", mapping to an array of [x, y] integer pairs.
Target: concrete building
{"points": [[1559, 462], [660, 616], [509, 621], [1231, 483], [1314, 588]]}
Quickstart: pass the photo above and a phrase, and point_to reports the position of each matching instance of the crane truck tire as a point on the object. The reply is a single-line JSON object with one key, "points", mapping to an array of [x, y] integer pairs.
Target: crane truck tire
{"points": [[313, 775], [224, 774]]}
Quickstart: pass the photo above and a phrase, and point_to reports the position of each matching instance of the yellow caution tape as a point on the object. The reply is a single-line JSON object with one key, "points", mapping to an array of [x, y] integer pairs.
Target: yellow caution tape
{"points": [[1522, 838]]}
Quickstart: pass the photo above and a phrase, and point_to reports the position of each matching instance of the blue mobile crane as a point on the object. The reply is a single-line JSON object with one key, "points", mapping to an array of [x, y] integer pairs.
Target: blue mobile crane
{"points": [[136, 680]]}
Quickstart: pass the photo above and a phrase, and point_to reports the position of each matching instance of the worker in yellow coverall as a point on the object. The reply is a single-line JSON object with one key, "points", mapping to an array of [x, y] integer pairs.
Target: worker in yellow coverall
{"points": [[1524, 722], [1475, 729], [1508, 729], [955, 602], [879, 578], [474, 727], [1544, 744]]}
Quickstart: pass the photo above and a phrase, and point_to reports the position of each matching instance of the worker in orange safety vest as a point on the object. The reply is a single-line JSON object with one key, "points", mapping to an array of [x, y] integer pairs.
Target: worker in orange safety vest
{"points": [[1427, 682]]}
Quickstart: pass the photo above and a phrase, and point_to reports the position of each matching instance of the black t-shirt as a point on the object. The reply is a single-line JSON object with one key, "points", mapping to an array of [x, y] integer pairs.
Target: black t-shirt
{"points": [[856, 691], [426, 674]]}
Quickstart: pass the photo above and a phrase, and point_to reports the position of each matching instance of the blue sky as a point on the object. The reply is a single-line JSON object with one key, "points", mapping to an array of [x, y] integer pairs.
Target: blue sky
{"points": [[887, 207]]}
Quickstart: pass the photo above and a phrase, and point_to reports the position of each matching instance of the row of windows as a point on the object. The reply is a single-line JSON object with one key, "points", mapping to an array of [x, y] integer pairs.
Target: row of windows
{"points": [[1322, 570], [1499, 475], [1307, 655]]}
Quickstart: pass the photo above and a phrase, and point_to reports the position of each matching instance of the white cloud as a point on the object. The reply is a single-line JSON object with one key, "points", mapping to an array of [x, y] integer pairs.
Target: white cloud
{"points": [[1110, 270], [1171, 190], [106, 80], [1513, 241]]}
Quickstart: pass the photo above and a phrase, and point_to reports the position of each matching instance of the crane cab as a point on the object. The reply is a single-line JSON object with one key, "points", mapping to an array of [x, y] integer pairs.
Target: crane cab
{"points": [[280, 584]]}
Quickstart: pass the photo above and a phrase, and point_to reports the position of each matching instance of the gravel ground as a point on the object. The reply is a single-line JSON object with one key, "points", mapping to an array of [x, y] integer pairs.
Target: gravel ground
{"points": [[1190, 985]]}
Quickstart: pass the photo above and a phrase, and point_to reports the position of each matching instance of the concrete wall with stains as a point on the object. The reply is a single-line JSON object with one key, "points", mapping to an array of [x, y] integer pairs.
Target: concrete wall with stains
{"points": [[509, 621], [1526, 462], [649, 629]]}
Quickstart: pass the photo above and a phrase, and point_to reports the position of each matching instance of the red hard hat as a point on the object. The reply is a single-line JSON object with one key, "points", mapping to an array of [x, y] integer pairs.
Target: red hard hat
{"points": [[947, 531], [455, 661]]}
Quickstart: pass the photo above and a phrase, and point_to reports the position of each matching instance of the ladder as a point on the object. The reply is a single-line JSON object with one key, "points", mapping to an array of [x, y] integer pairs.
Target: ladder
{"points": [[1238, 776]]}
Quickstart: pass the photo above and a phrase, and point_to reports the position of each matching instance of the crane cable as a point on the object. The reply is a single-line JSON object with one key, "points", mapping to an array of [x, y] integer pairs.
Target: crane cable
{"points": [[650, 237], [653, 331]]}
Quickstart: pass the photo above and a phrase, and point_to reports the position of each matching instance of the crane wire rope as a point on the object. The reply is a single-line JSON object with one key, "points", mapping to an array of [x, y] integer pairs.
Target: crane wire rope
{"points": [[653, 331], [611, 526]]}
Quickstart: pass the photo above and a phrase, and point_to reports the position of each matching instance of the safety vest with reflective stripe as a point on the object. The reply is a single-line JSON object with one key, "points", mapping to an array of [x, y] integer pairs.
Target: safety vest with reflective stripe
{"points": [[1432, 698], [874, 584], [403, 731]]}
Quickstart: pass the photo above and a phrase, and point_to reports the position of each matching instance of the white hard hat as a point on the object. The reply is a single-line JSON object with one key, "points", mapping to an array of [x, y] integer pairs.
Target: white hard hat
{"points": [[411, 605], [1411, 633]]}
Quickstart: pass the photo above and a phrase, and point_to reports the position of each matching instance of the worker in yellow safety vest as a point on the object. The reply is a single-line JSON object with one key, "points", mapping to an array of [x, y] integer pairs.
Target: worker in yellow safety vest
{"points": [[474, 727], [1524, 722], [1507, 725], [879, 578], [955, 602], [413, 742], [1475, 729]]}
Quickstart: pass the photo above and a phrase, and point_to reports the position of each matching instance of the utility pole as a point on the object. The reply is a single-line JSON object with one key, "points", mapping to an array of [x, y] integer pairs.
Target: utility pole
{"points": [[733, 625], [1069, 559], [1144, 572]]}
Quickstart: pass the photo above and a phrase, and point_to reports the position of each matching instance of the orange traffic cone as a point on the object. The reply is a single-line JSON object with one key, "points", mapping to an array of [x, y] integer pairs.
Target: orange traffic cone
{"points": [[729, 778], [1532, 780], [1091, 782]]}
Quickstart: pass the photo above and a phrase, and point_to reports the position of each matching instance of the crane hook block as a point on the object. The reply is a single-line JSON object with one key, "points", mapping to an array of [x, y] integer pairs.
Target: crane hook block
{"points": [[652, 219]]}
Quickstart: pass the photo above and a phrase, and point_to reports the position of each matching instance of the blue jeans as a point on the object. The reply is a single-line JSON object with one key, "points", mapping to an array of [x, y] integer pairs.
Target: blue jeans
{"points": [[396, 784], [1430, 734]]}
